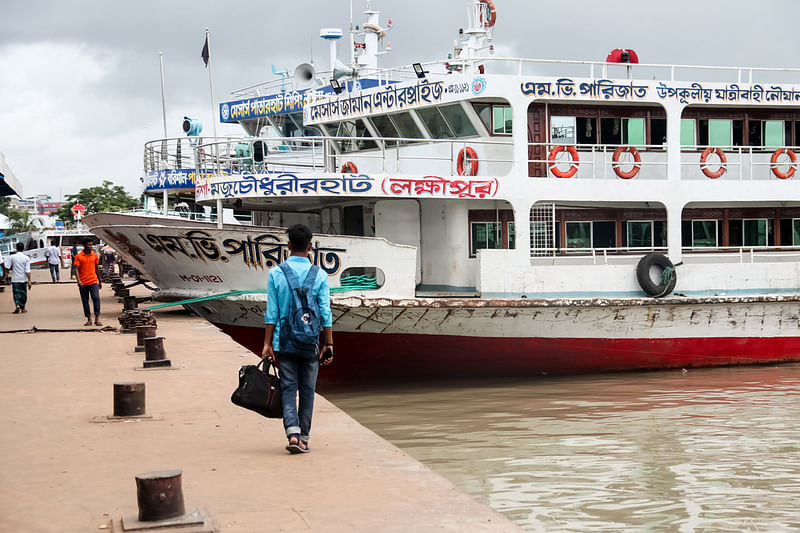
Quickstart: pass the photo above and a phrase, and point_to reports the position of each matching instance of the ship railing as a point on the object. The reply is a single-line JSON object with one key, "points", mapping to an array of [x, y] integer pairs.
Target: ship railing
{"points": [[325, 154], [742, 162], [642, 71], [624, 255], [596, 161], [185, 214], [174, 153], [441, 69]]}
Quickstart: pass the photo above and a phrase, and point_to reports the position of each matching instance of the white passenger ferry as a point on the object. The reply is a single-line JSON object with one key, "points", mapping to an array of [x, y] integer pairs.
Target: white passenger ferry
{"points": [[487, 216]]}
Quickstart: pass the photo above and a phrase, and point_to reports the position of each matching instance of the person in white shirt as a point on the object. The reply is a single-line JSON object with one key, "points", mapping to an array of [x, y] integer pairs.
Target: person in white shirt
{"points": [[20, 266], [53, 255]]}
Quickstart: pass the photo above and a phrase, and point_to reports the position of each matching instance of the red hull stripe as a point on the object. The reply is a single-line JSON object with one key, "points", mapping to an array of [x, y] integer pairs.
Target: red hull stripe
{"points": [[365, 357]]}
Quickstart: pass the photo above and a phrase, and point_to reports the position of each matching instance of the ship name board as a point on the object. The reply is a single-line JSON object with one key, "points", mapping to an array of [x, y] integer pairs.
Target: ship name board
{"points": [[390, 98], [605, 89]]}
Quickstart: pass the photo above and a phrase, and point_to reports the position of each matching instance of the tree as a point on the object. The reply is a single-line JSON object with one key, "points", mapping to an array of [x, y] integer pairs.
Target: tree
{"points": [[98, 199], [4, 201], [21, 221]]}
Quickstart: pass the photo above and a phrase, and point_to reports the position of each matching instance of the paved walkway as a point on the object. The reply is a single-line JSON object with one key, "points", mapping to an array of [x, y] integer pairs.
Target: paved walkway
{"points": [[62, 471]]}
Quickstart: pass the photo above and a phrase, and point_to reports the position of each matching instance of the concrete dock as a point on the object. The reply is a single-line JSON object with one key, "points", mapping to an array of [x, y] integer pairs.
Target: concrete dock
{"points": [[65, 467]]}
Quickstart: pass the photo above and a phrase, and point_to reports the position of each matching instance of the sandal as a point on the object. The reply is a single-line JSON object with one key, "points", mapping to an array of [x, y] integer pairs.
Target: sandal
{"points": [[297, 446], [88, 323]]}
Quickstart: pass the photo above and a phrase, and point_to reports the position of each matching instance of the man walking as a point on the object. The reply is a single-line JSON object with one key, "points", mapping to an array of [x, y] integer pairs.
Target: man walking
{"points": [[86, 265], [20, 266], [109, 259], [298, 307], [53, 255]]}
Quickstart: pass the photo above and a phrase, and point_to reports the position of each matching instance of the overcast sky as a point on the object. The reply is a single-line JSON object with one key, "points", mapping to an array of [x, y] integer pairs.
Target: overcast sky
{"points": [[79, 79]]}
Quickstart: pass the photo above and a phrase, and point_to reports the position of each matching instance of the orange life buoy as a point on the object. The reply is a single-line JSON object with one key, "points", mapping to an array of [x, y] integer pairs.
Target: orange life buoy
{"points": [[492, 13], [773, 163], [472, 169], [637, 159], [573, 168], [722, 162], [349, 168]]}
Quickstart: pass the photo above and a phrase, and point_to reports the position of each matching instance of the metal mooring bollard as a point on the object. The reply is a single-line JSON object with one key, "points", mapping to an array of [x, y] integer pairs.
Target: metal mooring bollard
{"points": [[128, 399], [159, 495], [154, 353], [129, 303], [143, 332]]}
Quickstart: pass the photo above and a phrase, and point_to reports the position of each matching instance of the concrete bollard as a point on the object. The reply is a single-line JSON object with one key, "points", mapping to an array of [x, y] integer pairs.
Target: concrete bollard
{"points": [[160, 495], [129, 399], [143, 332], [129, 303], [154, 353]]}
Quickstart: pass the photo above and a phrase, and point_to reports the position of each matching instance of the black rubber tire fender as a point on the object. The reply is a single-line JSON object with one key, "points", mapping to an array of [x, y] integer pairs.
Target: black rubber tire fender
{"points": [[650, 287]]}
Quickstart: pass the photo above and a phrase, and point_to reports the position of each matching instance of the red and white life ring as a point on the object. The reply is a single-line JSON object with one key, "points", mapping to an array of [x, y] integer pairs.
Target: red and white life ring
{"points": [[471, 168], [349, 168], [773, 163], [637, 160], [573, 167], [723, 161], [492, 13]]}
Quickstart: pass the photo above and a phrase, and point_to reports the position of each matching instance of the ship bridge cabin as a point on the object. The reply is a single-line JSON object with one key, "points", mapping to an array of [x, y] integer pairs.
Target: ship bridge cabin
{"points": [[603, 163]]}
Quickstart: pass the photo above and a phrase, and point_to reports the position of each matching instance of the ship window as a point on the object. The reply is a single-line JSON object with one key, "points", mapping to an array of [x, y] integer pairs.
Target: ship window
{"points": [[496, 117], [688, 132], [435, 122], [796, 232], [738, 133], [562, 130], [352, 129], [754, 232], [406, 126], [485, 235], [384, 126], [586, 130], [541, 233], [716, 132], [579, 234], [773, 133], [640, 234], [458, 120], [658, 131], [704, 233], [633, 131], [610, 131], [604, 234]]}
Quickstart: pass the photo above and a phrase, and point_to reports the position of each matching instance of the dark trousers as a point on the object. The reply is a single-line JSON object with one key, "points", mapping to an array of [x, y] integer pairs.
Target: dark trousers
{"points": [[55, 271], [92, 290], [20, 291]]}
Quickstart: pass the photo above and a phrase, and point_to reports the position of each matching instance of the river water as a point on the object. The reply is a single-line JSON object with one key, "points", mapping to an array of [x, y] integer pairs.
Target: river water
{"points": [[689, 451]]}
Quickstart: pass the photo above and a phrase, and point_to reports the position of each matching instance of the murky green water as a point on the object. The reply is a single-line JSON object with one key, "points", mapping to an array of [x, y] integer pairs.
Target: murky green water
{"points": [[706, 450]]}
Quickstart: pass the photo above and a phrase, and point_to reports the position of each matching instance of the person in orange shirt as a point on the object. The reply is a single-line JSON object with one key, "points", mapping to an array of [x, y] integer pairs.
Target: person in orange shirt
{"points": [[87, 266]]}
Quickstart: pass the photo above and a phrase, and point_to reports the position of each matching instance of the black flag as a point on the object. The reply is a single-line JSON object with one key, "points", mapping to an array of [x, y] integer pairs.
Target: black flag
{"points": [[204, 53]]}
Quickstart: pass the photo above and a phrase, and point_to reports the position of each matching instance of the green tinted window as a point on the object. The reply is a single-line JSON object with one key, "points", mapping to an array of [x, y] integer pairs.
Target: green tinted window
{"points": [[406, 126], [633, 131], [687, 132], [755, 232], [640, 234], [720, 132], [501, 119], [458, 120], [579, 234], [384, 126], [773, 133], [796, 232], [704, 233], [486, 235]]}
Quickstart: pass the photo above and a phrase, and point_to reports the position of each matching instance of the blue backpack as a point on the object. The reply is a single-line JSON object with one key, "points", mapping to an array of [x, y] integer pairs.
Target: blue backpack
{"points": [[300, 329]]}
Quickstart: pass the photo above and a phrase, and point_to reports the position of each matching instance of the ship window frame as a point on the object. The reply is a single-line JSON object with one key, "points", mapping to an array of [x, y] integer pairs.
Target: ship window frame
{"points": [[498, 236], [361, 145], [766, 232], [628, 234], [796, 232], [716, 232], [445, 127], [465, 120], [490, 124], [579, 249], [419, 137]]}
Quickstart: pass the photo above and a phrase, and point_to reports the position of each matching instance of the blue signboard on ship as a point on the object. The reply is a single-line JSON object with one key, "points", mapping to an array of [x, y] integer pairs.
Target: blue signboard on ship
{"points": [[278, 104]]}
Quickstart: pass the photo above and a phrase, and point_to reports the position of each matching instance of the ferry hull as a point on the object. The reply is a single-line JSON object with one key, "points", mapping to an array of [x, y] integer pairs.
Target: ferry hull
{"points": [[381, 357]]}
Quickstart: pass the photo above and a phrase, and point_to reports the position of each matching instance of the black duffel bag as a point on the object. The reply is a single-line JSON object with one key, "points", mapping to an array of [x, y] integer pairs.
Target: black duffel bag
{"points": [[259, 390]]}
